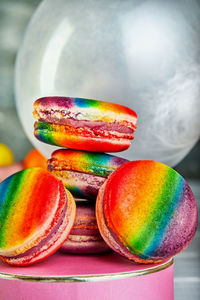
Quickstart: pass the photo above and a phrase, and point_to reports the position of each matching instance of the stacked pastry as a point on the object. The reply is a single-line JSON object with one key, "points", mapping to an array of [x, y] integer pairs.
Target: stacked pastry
{"points": [[144, 210], [91, 127]]}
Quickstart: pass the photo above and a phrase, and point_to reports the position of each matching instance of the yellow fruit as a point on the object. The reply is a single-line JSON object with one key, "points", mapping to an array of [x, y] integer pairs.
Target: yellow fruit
{"points": [[6, 156]]}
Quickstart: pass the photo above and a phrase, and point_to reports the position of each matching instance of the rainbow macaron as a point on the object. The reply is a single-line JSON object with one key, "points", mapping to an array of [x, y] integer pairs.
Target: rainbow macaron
{"points": [[146, 211], [82, 172], [85, 236], [36, 216], [84, 124]]}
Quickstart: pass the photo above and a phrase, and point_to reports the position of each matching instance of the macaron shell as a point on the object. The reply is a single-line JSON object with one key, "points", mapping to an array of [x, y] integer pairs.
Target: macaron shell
{"points": [[158, 215], [80, 138], [109, 236], [48, 246], [86, 109], [100, 164], [30, 205]]}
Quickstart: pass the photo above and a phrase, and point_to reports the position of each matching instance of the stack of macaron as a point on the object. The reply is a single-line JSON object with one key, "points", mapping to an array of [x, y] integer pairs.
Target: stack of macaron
{"points": [[87, 128], [143, 210]]}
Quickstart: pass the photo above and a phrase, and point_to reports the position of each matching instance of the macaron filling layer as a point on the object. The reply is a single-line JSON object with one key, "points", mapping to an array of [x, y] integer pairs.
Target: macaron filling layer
{"points": [[85, 245], [83, 238], [82, 228], [45, 128], [57, 118]]}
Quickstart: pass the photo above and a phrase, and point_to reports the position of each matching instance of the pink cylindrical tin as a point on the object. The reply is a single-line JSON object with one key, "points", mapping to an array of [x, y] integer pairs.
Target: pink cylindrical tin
{"points": [[87, 277]]}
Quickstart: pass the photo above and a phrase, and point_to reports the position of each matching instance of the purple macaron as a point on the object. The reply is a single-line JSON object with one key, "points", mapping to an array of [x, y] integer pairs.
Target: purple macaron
{"points": [[85, 236], [82, 172]]}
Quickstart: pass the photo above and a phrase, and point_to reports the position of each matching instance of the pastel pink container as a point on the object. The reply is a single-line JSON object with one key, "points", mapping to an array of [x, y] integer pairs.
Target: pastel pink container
{"points": [[87, 277]]}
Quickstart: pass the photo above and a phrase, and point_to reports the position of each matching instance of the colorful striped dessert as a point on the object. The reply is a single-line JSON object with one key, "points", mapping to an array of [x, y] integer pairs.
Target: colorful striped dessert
{"points": [[85, 236], [82, 172], [84, 124], [36, 216], [146, 211]]}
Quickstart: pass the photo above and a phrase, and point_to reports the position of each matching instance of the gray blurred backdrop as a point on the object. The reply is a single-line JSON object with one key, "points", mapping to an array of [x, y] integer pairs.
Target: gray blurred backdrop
{"points": [[14, 17]]}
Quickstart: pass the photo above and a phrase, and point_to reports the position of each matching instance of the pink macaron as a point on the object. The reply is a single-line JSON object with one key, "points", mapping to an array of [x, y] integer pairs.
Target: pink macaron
{"points": [[85, 236], [83, 172]]}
